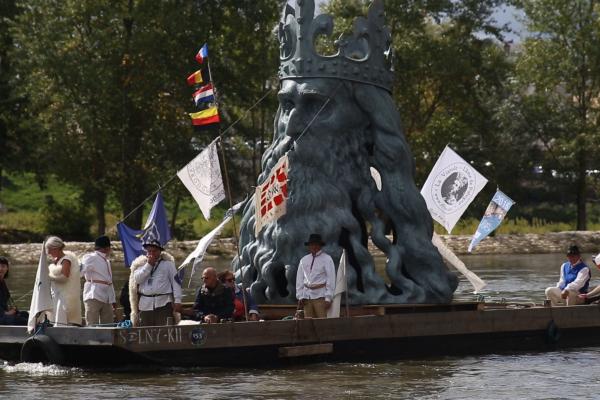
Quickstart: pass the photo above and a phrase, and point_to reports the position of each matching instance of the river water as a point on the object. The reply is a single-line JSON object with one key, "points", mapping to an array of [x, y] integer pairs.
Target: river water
{"points": [[515, 278]]}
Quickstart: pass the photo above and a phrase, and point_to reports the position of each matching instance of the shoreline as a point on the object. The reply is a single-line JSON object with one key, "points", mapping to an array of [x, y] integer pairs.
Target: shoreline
{"points": [[530, 243]]}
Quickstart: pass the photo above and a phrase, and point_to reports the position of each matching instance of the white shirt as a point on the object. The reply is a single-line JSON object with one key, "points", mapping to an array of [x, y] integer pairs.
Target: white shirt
{"points": [[161, 282], [315, 271], [96, 267]]}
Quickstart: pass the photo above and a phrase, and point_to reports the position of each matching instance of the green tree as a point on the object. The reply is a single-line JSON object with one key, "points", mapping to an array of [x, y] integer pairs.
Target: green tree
{"points": [[19, 136], [106, 83], [245, 69], [558, 71]]}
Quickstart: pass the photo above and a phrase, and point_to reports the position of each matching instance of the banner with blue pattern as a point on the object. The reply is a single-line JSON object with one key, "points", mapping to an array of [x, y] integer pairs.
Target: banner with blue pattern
{"points": [[492, 218]]}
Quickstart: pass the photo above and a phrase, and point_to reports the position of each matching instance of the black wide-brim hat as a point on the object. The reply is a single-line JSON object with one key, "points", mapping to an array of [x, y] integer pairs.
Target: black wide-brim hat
{"points": [[314, 238], [153, 243], [102, 242], [573, 251]]}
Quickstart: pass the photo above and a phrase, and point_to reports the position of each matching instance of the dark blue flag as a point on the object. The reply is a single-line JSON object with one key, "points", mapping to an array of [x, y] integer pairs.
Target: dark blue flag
{"points": [[130, 239], [156, 228]]}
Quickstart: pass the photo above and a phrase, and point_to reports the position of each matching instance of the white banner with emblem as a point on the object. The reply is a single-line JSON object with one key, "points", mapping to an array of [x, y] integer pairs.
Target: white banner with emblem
{"points": [[450, 188], [202, 177]]}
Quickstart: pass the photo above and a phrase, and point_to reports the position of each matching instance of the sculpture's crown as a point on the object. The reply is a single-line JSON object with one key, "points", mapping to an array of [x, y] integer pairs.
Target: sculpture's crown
{"points": [[363, 56]]}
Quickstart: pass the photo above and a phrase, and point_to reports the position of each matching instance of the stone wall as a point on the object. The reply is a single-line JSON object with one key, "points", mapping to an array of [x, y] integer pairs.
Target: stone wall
{"points": [[588, 242]]}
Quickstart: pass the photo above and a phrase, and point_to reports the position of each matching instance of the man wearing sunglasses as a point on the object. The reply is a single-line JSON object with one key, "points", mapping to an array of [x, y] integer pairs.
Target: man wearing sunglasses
{"points": [[240, 298]]}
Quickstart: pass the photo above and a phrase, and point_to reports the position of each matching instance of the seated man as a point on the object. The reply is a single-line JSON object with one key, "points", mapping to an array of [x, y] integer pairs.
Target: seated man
{"points": [[574, 280], [239, 314], [214, 301]]}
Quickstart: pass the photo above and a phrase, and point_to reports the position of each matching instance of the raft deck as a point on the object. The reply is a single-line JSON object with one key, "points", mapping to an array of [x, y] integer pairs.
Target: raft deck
{"points": [[371, 333]]}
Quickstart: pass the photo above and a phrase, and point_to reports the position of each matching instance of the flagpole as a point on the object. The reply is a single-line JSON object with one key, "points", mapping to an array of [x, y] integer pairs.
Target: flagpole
{"points": [[235, 235], [214, 86], [148, 198]]}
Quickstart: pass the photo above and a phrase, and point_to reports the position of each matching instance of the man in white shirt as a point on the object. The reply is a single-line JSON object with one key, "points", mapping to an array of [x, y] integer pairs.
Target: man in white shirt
{"points": [[158, 292], [574, 280], [98, 291], [315, 280]]}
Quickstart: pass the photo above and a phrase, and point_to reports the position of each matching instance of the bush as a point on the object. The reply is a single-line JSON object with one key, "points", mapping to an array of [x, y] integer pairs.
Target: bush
{"points": [[69, 220], [184, 230]]}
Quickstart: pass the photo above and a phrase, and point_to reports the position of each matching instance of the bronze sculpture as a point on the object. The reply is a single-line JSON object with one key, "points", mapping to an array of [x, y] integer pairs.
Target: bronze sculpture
{"points": [[337, 120]]}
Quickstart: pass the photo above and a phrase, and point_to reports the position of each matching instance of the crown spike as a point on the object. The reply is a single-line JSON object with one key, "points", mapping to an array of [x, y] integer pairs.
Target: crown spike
{"points": [[365, 54]]}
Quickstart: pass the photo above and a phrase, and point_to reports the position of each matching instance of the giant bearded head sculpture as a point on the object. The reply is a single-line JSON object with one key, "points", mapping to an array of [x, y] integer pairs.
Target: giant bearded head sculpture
{"points": [[336, 121]]}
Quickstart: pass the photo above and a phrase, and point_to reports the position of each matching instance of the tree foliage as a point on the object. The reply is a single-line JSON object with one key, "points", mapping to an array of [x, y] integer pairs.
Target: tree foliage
{"points": [[94, 92], [558, 72], [106, 83], [19, 134]]}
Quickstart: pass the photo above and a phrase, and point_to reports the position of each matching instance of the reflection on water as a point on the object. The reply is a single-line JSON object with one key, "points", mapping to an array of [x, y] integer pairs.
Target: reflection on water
{"points": [[520, 278], [522, 376]]}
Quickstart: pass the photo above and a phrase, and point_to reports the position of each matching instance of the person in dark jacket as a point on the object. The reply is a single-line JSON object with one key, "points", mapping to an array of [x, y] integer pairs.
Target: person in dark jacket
{"points": [[214, 301], [9, 315], [124, 301], [239, 299]]}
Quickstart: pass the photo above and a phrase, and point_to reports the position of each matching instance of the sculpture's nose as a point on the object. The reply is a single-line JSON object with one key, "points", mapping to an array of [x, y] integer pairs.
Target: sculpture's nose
{"points": [[293, 125]]}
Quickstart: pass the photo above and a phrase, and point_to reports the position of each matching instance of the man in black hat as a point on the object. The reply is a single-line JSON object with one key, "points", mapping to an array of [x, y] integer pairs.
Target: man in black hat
{"points": [[574, 280], [98, 291], [315, 279], [154, 291]]}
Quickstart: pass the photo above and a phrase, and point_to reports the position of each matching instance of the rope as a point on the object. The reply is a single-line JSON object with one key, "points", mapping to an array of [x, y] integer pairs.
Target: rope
{"points": [[320, 109], [246, 113]]}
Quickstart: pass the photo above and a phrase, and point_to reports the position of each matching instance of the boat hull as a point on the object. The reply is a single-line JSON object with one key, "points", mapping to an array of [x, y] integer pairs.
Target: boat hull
{"points": [[396, 334]]}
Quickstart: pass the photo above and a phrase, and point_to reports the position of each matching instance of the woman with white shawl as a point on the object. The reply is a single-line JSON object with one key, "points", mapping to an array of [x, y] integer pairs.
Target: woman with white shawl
{"points": [[65, 283]]}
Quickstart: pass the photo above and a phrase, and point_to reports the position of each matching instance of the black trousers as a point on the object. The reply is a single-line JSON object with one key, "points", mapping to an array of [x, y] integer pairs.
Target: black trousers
{"points": [[157, 317]]}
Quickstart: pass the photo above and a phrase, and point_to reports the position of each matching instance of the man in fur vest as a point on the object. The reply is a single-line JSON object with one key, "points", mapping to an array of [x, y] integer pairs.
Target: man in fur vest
{"points": [[154, 293]]}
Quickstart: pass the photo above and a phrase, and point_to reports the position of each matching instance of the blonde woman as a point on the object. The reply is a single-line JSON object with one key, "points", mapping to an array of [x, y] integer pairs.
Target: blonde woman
{"points": [[65, 283]]}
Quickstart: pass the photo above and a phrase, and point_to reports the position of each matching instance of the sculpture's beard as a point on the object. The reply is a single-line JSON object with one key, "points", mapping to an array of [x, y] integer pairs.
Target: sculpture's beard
{"points": [[331, 192]]}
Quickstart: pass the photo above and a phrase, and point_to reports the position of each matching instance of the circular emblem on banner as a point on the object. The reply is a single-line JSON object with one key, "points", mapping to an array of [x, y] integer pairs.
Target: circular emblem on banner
{"points": [[198, 336], [453, 187], [202, 172]]}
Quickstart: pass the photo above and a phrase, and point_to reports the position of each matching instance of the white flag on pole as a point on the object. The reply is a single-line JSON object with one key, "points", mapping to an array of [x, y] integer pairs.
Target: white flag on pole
{"points": [[41, 300], [448, 255], [271, 196], [450, 188], [202, 177], [198, 254], [340, 288]]}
